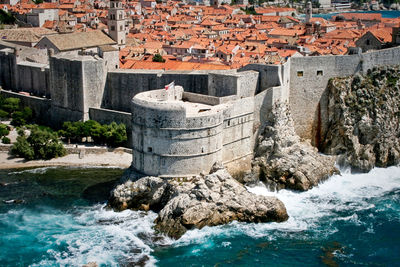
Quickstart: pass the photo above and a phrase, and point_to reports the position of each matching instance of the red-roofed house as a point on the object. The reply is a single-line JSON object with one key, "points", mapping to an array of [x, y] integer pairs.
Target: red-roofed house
{"points": [[375, 39]]}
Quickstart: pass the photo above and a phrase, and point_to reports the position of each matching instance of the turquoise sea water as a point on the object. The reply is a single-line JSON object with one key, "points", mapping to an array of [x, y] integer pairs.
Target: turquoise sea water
{"points": [[353, 219], [385, 14]]}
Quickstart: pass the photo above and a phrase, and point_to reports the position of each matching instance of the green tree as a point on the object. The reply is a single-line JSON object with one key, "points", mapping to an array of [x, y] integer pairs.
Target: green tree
{"points": [[6, 140], [42, 143], [3, 114], [20, 118], [4, 130], [22, 148], [45, 144], [116, 134], [11, 104], [158, 58], [6, 17]]}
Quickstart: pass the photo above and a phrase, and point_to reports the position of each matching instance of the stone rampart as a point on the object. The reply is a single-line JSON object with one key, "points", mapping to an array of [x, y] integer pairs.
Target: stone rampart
{"points": [[309, 77], [77, 83], [33, 78], [40, 106], [8, 69]]}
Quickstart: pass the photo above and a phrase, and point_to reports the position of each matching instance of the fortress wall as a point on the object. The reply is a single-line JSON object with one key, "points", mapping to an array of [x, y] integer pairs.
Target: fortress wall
{"points": [[123, 85], [269, 75], [106, 116], [93, 84], [168, 141], [198, 98], [389, 56], [66, 79], [220, 85], [7, 69], [309, 77], [40, 106], [308, 94], [237, 135], [76, 85], [33, 78], [242, 84]]}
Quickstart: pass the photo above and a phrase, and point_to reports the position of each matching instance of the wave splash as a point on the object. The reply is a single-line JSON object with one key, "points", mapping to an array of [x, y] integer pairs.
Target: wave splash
{"points": [[93, 234], [315, 209]]}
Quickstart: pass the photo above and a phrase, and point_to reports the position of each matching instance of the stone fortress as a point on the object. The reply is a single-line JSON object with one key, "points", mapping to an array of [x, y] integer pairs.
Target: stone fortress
{"points": [[208, 116]]}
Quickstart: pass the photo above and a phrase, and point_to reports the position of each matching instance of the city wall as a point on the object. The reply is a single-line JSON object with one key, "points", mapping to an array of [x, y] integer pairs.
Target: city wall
{"points": [[40, 106], [309, 77], [83, 87]]}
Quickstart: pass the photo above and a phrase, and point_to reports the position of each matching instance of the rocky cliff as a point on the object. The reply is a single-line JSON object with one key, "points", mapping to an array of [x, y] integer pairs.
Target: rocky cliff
{"points": [[282, 160], [363, 119], [182, 204]]}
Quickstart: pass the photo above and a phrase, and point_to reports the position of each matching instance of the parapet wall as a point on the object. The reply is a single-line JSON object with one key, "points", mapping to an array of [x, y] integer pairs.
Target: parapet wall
{"points": [[122, 85]]}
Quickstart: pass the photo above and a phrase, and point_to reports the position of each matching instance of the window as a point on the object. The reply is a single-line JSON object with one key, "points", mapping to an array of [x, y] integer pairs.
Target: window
{"points": [[320, 73], [367, 42], [299, 74], [120, 28], [112, 28], [149, 149]]}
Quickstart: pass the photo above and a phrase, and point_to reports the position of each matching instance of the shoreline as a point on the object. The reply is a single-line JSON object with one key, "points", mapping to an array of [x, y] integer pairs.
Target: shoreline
{"points": [[117, 159]]}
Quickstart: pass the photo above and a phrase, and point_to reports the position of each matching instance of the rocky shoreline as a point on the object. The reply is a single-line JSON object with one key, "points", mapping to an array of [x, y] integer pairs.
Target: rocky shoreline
{"points": [[283, 161], [364, 119], [209, 200], [363, 132]]}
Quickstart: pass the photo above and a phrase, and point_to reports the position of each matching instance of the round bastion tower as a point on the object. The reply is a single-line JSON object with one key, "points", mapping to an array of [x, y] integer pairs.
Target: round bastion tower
{"points": [[175, 138]]}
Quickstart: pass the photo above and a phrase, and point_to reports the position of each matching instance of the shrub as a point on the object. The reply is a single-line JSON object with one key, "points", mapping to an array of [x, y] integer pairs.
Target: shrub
{"points": [[6, 140], [45, 144], [42, 143], [4, 130], [22, 148], [11, 104], [158, 58], [113, 134], [4, 114], [20, 118]]}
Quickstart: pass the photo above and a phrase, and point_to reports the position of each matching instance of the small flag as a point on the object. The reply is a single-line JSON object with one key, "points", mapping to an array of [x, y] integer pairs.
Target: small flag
{"points": [[169, 86]]}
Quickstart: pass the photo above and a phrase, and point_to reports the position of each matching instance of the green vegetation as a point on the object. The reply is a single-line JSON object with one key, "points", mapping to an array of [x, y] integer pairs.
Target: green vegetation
{"points": [[42, 143], [249, 10], [6, 140], [11, 108], [4, 130], [37, 2], [6, 17], [158, 58], [112, 134]]}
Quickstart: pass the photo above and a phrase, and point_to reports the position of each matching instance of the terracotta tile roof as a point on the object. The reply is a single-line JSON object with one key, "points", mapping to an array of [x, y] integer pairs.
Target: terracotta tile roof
{"points": [[383, 35], [171, 65], [362, 16], [78, 40], [31, 35]]}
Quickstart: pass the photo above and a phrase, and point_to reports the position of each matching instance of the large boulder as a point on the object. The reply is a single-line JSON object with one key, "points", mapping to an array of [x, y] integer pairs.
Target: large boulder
{"points": [[282, 160], [209, 200], [364, 118]]}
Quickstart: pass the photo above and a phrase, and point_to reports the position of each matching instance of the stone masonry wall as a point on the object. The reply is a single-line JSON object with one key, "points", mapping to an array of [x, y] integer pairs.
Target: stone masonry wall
{"points": [[309, 77]]}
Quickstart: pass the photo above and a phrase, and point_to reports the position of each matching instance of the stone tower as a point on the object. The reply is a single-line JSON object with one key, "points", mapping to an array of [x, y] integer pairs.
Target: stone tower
{"points": [[308, 12], [116, 22]]}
